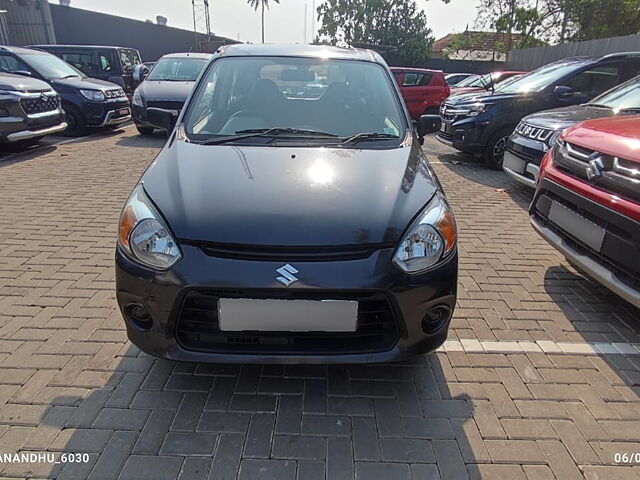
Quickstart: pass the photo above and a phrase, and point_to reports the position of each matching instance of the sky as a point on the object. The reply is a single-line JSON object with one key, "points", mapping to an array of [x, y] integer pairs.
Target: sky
{"points": [[284, 22]]}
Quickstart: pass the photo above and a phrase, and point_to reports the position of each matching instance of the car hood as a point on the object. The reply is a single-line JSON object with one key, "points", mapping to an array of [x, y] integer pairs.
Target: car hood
{"points": [[460, 90], [564, 117], [618, 136], [159, 90], [481, 96], [289, 196], [22, 83], [87, 83]]}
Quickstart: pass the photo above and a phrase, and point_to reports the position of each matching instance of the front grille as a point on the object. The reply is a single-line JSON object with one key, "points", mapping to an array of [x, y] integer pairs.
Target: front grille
{"points": [[445, 136], [610, 173], [448, 113], [533, 132], [289, 253], [115, 93], [168, 105], [197, 326], [41, 104]]}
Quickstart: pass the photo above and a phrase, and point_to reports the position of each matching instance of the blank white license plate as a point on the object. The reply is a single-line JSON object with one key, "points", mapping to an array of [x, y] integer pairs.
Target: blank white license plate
{"points": [[576, 225], [250, 314]]}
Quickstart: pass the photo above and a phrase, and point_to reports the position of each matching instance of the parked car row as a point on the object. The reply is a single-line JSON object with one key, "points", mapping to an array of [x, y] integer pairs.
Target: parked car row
{"points": [[481, 123], [583, 157], [68, 100]]}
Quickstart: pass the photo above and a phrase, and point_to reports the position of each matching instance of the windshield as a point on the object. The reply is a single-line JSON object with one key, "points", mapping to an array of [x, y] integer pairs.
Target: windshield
{"points": [[468, 82], [50, 66], [542, 77], [178, 69], [623, 96], [336, 97]]}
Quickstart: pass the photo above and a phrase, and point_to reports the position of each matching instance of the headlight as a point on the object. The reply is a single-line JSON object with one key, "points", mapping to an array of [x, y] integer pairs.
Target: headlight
{"points": [[476, 109], [429, 239], [143, 235], [137, 99], [94, 95]]}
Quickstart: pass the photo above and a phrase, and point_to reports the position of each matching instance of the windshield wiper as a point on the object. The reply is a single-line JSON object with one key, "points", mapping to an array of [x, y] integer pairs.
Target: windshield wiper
{"points": [[364, 136], [282, 131], [597, 105], [70, 76], [630, 109], [265, 132]]}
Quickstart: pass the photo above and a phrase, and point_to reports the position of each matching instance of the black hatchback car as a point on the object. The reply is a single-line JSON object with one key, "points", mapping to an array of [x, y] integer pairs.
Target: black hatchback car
{"points": [[537, 133], [291, 217], [167, 86], [481, 123], [87, 102]]}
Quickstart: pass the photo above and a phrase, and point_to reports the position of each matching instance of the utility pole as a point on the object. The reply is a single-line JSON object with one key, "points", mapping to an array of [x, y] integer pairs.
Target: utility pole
{"points": [[306, 20], [201, 20]]}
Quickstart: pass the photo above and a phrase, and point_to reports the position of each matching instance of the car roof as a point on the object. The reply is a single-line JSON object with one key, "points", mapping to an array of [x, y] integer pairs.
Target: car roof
{"points": [[79, 46], [204, 56], [300, 50], [412, 69], [19, 50]]}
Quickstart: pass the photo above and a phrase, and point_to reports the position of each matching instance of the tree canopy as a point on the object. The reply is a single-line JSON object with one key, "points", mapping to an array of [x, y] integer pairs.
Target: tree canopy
{"points": [[557, 21], [398, 25]]}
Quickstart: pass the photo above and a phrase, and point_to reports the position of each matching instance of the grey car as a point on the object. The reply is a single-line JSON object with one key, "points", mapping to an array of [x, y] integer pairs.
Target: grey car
{"points": [[29, 109]]}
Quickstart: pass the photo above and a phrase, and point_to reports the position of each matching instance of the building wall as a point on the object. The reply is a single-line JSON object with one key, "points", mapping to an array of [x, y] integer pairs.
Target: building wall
{"points": [[84, 27], [26, 21], [530, 58]]}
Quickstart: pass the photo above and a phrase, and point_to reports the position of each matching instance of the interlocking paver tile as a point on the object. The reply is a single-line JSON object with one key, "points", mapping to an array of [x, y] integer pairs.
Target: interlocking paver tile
{"points": [[538, 381]]}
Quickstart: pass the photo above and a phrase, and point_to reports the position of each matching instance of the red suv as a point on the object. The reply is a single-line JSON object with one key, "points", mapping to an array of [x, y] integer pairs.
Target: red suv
{"points": [[423, 90], [587, 202]]}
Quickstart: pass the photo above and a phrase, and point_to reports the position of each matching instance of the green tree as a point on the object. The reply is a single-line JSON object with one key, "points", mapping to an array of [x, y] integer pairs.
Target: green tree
{"points": [[262, 4], [530, 20], [590, 19], [396, 24]]}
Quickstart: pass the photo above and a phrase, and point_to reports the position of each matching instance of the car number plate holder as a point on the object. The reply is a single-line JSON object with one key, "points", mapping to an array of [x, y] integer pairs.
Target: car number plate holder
{"points": [[276, 315], [123, 112], [577, 226]]}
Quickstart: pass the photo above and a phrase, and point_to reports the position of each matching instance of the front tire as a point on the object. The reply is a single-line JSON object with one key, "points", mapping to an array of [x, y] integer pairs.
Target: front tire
{"points": [[494, 153], [146, 131], [75, 122]]}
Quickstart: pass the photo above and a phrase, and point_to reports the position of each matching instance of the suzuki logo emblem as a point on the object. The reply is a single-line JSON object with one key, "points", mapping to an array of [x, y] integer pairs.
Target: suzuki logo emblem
{"points": [[44, 97], [287, 271], [595, 166]]}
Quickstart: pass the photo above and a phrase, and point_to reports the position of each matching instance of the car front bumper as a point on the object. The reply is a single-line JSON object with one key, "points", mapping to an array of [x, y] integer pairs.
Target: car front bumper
{"points": [[387, 297], [107, 113], [522, 159], [466, 135], [615, 263]]}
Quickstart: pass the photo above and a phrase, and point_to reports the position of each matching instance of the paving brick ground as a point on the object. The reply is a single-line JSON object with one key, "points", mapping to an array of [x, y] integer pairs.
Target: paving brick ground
{"points": [[70, 382]]}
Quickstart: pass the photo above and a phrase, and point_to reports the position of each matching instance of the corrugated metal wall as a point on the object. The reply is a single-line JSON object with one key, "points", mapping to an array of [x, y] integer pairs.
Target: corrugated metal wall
{"points": [[27, 21], [530, 58]]}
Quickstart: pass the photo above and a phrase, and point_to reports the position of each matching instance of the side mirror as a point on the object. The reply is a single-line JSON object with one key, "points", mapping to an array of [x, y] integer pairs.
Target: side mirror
{"points": [[428, 124], [161, 118], [562, 92], [140, 72]]}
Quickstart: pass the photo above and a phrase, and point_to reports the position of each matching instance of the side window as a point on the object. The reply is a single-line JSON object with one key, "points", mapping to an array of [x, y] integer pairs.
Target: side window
{"points": [[83, 61], [594, 81], [106, 62], [398, 77], [413, 79], [10, 64]]}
